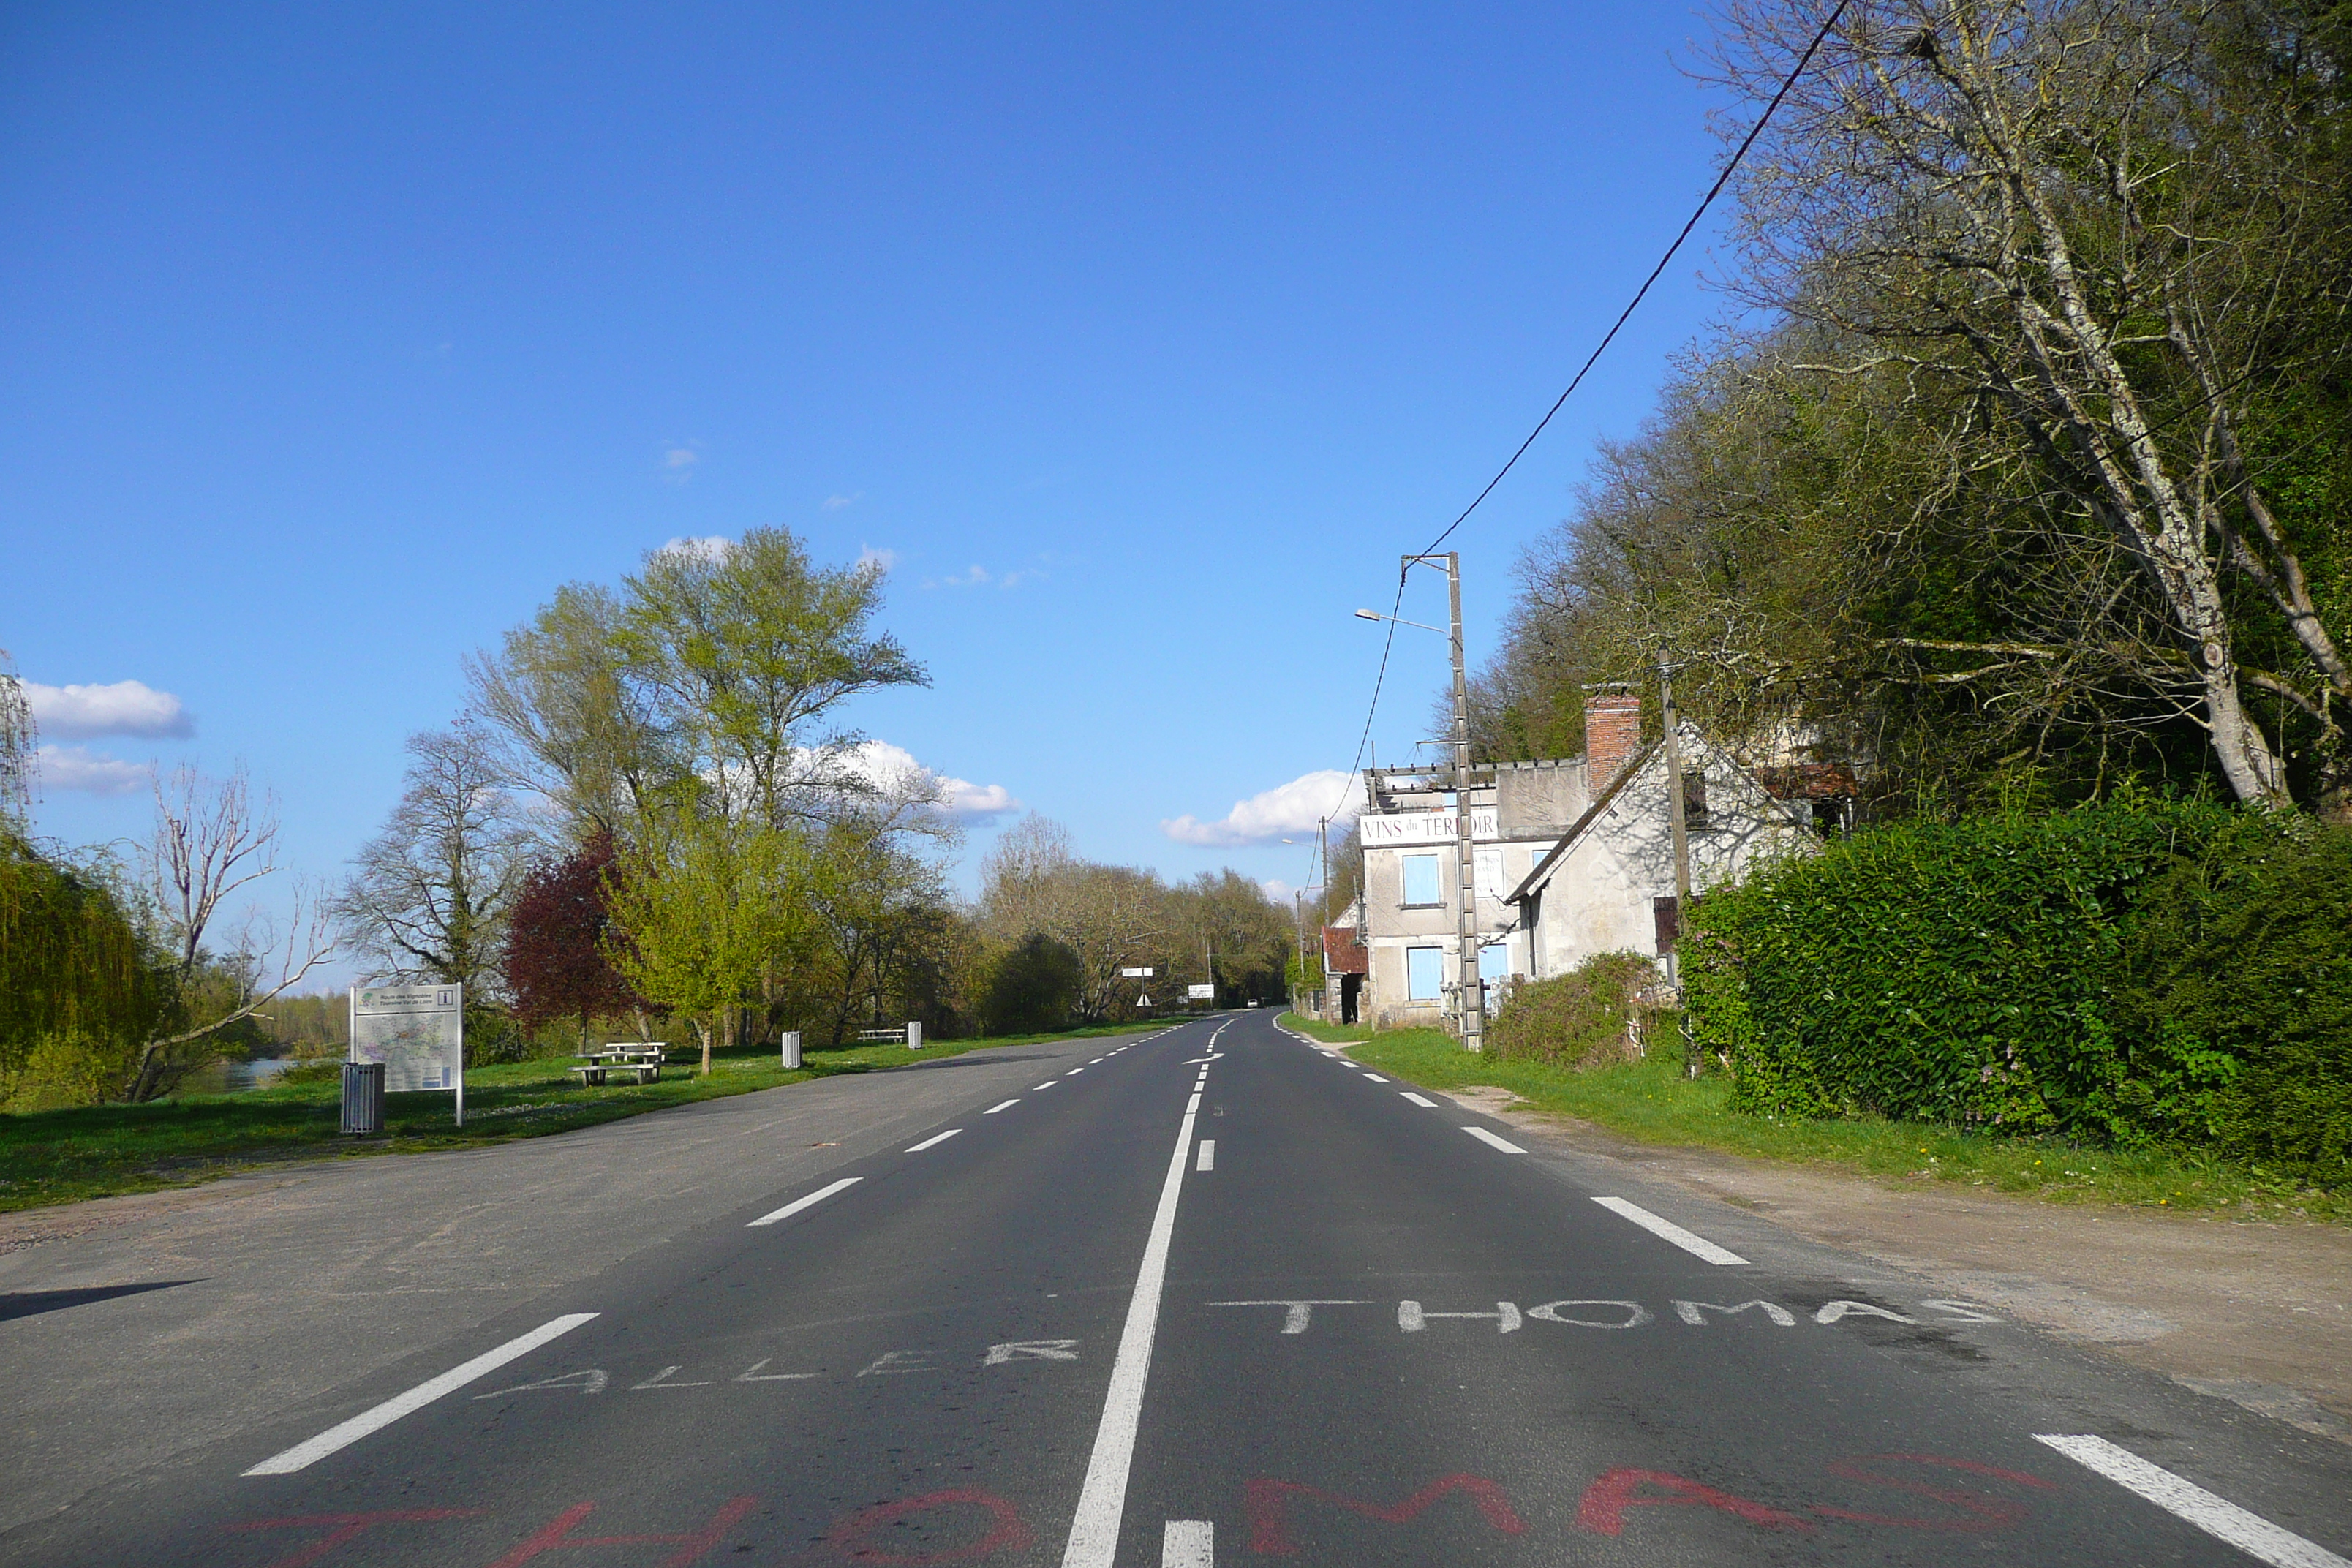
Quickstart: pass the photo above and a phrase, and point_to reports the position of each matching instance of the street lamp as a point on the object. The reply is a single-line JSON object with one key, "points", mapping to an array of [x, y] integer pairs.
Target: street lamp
{"points": [[1473, 991]]}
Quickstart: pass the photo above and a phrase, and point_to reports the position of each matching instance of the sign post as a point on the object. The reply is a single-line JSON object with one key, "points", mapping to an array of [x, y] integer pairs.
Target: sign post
{"points": [[418, 1032]]}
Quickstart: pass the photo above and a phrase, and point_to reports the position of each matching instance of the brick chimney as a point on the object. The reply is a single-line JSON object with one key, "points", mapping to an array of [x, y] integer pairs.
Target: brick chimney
{"points": [[1613, 732]]}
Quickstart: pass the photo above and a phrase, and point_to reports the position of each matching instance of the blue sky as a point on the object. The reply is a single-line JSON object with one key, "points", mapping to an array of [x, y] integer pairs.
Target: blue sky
{"points": [[1142, 339]]}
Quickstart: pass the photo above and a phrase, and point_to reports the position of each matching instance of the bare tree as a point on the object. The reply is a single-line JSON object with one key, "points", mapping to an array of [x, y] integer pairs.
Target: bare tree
{"points": [[211, 840], [429, 895], [2046, 207]]}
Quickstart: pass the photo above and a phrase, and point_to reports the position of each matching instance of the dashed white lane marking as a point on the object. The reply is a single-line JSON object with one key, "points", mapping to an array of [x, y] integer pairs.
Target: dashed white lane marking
{"points": [[1001, 1105], [1208, 1160], [1505, 1144], [2218, 1516], [1424, 1104], [811, 1201], [423, 1394], [1095, 1062], [1049, 1083], [1102, 1501], [935, 1139], [1074, 1072], [1188, 1544], [1667, 1229], [1376, 1077]]}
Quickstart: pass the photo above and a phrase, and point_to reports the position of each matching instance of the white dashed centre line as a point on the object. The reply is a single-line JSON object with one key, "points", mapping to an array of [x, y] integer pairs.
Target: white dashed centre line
{"points": [[1667, 1229], [1001, 1105], [1505, 1144], [811, 1201], [2217, 1517], [1049, 1083], [1424, 1104], [935, 1139], [1376, 1077], [417, 1398]]}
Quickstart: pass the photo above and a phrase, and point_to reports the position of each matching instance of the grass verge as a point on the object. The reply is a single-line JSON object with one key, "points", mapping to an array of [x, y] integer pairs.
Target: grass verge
{"points": [[1651, 1103], [64, 1156]]}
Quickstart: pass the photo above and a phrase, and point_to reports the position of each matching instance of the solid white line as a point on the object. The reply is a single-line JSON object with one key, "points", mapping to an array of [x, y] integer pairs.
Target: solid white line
{"points": [[1376, 1077], [2218, 1516], [1697, 1246], [1001, 1105], [1505, 1144], [815, 1198], [1208, 1160], [423, 1394], [934, 1140], [1188, 1544], [1424, 1104], [1102, 1501]]}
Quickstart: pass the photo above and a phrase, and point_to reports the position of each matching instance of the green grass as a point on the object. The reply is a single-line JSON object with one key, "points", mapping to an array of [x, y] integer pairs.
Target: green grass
{"points": [[1652, 1103], [63, 1156]]}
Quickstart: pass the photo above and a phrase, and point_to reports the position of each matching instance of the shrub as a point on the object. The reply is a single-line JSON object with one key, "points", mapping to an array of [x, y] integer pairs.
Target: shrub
{"points": [[1587, 1017], [1033, 989], [2133, 971]]}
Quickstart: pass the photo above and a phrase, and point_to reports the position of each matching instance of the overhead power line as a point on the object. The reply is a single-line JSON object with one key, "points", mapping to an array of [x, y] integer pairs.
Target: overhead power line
{"points": [[1730, 167]]}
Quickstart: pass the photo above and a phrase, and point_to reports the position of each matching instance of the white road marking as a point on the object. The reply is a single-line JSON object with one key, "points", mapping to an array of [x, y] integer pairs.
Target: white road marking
{"points": [[1424, 1104], [1412, 1319], [372, 1420], [1102, 1501], [935, 1139], [2217, 1517], [1030, 1350], [1192, 1106], [1001, 1105], [1376, 1077], [898, 1363], [1208, 1160], [1505, 1144], [811, 1201], [1049, 1083], [660, 1380], [1188, 1544], [1296, 1315], [753, 1374], [1667, 1229], [1074, 1072]]}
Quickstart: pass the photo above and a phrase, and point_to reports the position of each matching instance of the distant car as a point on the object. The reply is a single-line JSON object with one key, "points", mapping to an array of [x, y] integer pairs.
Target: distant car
{"points": [[1253, 1001]]}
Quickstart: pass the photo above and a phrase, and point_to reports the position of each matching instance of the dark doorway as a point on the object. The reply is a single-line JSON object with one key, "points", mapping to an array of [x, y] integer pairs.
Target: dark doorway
{"points": [[1350, 988]]}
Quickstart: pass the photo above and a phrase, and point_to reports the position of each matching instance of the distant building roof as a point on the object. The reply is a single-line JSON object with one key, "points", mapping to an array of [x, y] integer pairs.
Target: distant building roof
{"points": [[1344, 951]]}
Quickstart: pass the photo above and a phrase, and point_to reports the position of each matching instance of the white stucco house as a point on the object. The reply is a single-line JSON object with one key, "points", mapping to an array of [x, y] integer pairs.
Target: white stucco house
{"points": [[1574, 857], [1608, 884]]}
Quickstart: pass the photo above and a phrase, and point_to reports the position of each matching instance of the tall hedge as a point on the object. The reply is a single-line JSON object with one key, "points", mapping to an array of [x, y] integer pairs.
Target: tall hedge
{"points": [[2131, 972]]}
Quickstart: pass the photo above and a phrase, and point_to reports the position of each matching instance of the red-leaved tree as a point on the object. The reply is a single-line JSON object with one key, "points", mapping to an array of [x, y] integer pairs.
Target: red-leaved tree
{"points": [[555, 964]]}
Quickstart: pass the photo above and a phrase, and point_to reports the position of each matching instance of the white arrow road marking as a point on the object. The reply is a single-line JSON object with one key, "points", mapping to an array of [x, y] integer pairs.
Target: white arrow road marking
{"points": [[1667, 1229], [346, 1433], [2217, 1517]]}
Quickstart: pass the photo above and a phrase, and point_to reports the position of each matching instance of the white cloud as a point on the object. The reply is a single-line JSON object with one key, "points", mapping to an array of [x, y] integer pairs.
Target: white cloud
{"points": [[979, 576], [79, 768], [679, 461], [1279, 891], [710, 547], [1286, 810], [124, 708], [881, 763], [835, 503], [869, 557]]}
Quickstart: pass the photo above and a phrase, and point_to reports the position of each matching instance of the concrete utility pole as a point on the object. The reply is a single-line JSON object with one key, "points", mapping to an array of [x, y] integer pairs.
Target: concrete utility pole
{"points": [[1671, 724], [1465, 898]]}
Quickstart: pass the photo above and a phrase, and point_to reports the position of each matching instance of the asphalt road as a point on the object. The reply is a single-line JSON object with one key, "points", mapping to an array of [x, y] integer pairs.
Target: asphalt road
{"points": [[1214, 1294]]}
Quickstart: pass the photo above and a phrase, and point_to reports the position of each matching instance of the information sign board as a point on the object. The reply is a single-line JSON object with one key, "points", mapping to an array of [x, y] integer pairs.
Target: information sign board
{"points": [[418, 1032], [1143, 973], [1201, 993]]}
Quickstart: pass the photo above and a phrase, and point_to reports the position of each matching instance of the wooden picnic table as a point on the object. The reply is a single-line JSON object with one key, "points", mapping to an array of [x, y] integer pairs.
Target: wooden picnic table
{"points": [[643, 1057]]}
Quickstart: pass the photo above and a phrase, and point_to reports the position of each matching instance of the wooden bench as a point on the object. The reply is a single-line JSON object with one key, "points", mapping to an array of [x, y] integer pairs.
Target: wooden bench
{"points": [[875, 1036]]}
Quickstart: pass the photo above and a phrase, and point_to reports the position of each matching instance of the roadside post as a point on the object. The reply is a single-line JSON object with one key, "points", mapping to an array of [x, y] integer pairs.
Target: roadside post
{"points": [[791, 1050], [416, 1034], [914, 1034]]}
